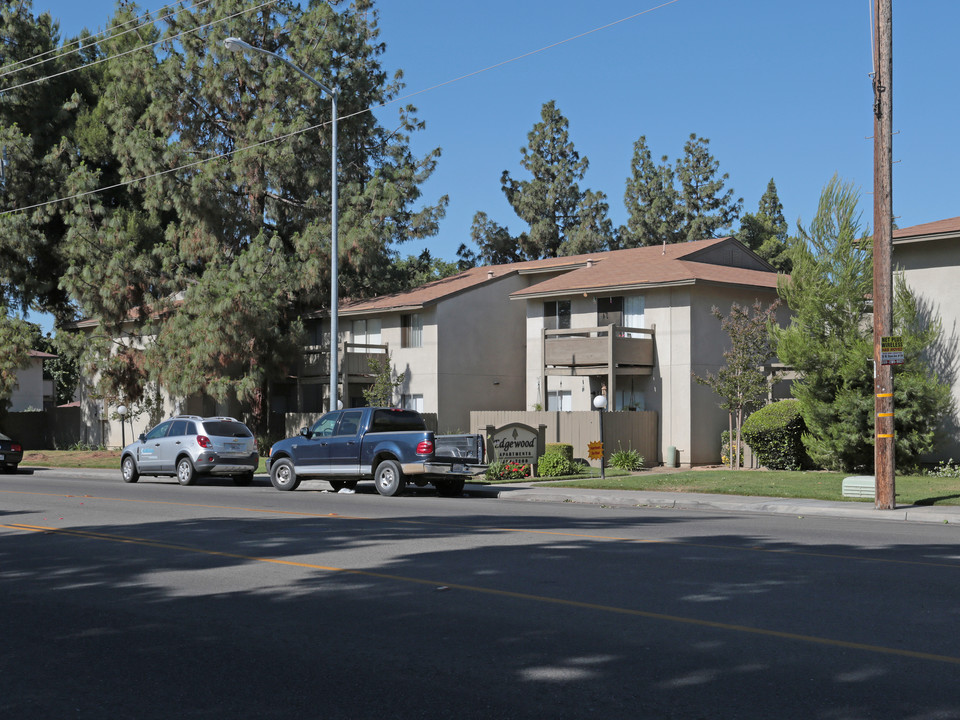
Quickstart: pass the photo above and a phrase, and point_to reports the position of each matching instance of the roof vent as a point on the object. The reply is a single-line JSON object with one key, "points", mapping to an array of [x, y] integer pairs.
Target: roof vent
{"points": [[589, 263], [489, 274]]}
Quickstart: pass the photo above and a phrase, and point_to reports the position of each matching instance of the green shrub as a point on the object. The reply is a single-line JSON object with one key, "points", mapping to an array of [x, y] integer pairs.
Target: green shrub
{"points": [[629, 459], [775, 434], [944, 469], [554, 465], [564, 449]]}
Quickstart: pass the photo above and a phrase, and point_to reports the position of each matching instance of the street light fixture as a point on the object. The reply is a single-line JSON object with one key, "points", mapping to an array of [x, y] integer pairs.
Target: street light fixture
{"points": [[235, 44], [122, 412], [600, 402]]}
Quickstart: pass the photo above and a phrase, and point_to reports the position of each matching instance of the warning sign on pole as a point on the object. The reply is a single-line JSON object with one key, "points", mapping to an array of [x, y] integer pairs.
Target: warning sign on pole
{"points": [[891, 350], [595, 450]]}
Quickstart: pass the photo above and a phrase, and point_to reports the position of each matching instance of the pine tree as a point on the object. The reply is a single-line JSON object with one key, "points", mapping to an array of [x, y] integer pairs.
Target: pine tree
{"points": [[562, 218], [765, 232], [829, 342], [215, 261], [706, 208], [651, 200]]}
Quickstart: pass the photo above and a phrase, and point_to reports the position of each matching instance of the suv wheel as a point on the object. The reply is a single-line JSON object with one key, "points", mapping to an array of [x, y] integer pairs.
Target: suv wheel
{"points": [[185, 472], [129, 469]]}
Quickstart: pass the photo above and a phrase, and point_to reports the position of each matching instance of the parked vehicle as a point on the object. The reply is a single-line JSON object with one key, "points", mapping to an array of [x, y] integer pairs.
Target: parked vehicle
{"points": [[189, 446], [11, 454], [387, 445]]}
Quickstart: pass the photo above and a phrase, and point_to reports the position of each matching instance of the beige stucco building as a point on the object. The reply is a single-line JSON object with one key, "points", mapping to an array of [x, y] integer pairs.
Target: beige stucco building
{"points": [[552, 334], [928, 256]]}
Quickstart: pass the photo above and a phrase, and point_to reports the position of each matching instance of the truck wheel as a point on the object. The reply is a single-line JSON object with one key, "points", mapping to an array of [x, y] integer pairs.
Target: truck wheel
{"points": [[185, 474], [283, 476], [389, 478], [338, 485], [450, 488], [129, 469]]}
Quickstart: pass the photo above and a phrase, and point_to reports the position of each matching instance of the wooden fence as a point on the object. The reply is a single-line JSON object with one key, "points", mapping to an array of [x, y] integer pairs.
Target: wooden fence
{"points": [[628, 430]]}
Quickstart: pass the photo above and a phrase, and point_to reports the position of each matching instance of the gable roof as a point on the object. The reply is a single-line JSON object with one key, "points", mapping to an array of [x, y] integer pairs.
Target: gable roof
{"points": [[937, 230], [722, 261]]}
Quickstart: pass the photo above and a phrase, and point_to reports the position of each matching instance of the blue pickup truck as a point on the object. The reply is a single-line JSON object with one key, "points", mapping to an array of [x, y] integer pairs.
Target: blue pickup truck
{"points": [[387, 445]]}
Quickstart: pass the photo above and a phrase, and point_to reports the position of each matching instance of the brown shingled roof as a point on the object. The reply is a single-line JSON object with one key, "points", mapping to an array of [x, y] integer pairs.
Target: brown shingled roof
{"points": [[654, 265], [950, 226], [650, 266]]}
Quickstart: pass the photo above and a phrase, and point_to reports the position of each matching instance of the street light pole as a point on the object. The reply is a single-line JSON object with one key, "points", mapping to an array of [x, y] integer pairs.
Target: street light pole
{"points": [[235, 44]]}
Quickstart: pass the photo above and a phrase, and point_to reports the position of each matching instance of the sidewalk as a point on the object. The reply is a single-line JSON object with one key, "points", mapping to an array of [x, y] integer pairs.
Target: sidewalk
{"points": [[538, 492]]}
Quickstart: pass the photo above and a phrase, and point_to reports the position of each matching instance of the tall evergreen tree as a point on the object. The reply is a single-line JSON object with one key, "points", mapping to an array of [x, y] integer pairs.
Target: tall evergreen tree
{"points": [[227, 242], [563, 219], [707, 209], [765, 232], [830, 344], [651, 200]]}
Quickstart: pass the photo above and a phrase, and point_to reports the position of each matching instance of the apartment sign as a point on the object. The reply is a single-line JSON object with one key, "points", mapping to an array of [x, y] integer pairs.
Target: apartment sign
{"points": [[515, 442]]}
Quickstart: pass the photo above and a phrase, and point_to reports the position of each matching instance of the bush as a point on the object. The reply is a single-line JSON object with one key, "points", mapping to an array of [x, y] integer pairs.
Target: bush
{"points": [[775, 434], [554, 465], [627, 459], [499, 470], [564, 449]]}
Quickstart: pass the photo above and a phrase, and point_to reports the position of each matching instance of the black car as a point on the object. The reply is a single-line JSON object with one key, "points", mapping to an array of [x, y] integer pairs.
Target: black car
{"points": [[11, 453]]}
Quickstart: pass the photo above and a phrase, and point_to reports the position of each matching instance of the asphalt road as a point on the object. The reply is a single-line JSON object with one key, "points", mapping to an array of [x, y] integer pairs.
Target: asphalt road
{"points": [[213, 601]]}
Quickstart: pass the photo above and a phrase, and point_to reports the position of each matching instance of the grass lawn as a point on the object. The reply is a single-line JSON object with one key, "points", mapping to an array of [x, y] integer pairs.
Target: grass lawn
{"points": [[910, 489]]}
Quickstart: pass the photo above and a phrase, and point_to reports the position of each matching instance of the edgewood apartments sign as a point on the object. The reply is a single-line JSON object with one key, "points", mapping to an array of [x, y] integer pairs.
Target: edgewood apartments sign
{"points": [[515, 442]]}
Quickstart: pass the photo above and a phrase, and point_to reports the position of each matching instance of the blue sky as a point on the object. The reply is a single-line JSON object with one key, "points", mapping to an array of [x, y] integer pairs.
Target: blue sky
{"points": [[781, 89]]}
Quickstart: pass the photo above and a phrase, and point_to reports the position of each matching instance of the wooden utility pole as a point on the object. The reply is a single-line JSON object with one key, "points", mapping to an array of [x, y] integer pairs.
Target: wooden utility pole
{"points": [[884, 457]]}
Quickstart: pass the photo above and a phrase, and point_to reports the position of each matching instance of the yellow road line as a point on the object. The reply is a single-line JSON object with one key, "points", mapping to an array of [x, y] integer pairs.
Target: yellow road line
{"points": [[487, 528], [745, 629]]}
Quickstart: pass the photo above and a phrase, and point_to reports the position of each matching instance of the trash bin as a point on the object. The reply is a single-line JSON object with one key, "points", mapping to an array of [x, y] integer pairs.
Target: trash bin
{"points": [[670, 460]]}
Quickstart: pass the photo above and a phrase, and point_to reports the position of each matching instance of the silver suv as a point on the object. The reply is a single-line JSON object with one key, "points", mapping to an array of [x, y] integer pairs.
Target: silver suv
{"points": [[188, 445]]}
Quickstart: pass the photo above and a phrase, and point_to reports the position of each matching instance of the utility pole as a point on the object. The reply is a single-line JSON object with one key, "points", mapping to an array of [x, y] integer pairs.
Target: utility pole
{"points": [[884, 457]]}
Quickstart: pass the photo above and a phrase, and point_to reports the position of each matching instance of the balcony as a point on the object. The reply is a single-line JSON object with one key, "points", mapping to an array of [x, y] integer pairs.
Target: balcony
{"points": [[609, 350], [353, 359]]}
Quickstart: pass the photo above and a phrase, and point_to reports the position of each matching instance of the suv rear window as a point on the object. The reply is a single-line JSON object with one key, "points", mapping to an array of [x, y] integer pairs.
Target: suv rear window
{"points": [[396, 420], [224, 428]]}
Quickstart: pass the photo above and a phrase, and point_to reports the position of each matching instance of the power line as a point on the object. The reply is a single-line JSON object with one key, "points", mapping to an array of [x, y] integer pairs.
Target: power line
{"points": [[4, 71], [323, 124], [137, 49]]}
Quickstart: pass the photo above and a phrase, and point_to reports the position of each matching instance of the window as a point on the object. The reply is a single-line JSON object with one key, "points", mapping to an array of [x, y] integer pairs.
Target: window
{"points": [[609, 310], [367, 332], [559, 400], [350, 422], [412, 402], [396, 421], [159, 431], [633, 313], [411, 327], [324, 426], [556, 315], [179, 428]]}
